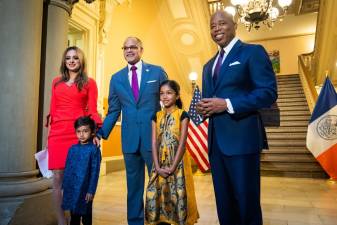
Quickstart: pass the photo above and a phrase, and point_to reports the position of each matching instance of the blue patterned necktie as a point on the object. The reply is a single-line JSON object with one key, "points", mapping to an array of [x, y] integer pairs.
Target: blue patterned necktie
{"points": [[218, 66]]}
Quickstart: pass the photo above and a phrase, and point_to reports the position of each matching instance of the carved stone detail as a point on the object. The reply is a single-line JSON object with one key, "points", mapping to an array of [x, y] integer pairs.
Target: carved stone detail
{"points": [[67, 4], [106, 10]]}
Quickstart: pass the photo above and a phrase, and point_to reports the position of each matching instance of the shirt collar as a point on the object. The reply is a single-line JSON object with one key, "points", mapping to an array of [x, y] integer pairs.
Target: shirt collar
{"points": [[228, 48], [138, 65]]}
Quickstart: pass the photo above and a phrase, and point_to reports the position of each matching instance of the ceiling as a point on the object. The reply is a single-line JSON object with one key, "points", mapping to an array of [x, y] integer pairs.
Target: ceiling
{"points": [[297, 7], [300, 19]]}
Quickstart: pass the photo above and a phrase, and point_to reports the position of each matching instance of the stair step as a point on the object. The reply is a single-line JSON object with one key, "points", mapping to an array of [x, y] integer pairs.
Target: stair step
{"points": [[293, 108], [289, 166], [288, 89], [286, 77], [300, 158], [288, 86], [302, 103], [282, 92], [287, 136], [287, 95], [295, 174], [286, 129], [293, 99], [286, 150], [294, 123], [285, 143], [295, 113], [295, 118], [291, 81]]}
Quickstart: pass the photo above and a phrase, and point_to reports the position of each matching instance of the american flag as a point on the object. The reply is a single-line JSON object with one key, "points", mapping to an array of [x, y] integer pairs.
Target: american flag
{"points": [[197, 134]]}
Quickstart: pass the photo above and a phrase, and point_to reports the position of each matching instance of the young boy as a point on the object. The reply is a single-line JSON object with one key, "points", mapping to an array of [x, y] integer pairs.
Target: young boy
{"points": [[81, 173]]}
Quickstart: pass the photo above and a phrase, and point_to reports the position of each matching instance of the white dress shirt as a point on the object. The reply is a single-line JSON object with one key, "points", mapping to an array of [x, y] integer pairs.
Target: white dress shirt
{"points": [[139, 66], [227, 49]]}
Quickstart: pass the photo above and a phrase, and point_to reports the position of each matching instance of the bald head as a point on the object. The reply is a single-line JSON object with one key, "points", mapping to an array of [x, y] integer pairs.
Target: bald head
{"points": [[224, 14], [222, 28], [133, 50], [135, 40]]}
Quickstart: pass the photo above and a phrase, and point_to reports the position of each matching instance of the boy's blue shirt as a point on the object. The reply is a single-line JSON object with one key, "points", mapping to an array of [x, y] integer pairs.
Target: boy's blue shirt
{"points": [[80, 176]]}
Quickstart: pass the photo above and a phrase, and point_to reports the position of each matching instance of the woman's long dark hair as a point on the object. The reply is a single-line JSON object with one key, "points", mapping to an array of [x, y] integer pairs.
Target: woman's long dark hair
{"points": [[176, 88], [82, 77]]}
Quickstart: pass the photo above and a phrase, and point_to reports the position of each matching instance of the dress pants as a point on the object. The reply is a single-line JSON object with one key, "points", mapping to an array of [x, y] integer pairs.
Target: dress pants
{"points": [[135, 176], [236, 181], [86, 218]]}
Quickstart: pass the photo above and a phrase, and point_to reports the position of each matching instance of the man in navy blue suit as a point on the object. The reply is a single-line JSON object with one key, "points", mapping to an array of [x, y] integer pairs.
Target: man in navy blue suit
{"points": [[134, 91], [237, 82]]}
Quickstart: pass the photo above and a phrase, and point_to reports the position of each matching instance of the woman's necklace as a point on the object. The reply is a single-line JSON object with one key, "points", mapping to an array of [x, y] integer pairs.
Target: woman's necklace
{"points": [[70, 82]]}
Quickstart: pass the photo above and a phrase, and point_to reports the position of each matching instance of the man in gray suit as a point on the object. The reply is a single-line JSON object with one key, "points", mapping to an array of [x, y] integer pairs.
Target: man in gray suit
{"points": [[134, 91]]}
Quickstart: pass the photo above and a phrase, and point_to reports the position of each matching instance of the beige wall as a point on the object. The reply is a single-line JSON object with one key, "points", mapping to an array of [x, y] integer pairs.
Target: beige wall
{"points": [[142, 20], [289, 48], [138, 19]]}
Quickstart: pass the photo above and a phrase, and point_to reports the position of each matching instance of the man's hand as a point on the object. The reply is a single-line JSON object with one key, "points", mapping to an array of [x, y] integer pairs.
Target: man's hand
{"points": [[96, 141], [89, 197], [209, 106]]}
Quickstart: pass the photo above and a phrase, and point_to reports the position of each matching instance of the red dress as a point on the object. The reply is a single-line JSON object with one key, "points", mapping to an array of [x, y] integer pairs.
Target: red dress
{"points": [[67, 104]]}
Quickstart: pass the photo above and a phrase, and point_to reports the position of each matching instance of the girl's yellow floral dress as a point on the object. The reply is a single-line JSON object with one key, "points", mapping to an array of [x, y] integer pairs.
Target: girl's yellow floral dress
{"points": [[172, 199]]}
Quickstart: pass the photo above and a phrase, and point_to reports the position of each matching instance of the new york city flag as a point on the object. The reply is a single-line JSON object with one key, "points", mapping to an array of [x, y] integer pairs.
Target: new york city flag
{"points": [[322, 129]]}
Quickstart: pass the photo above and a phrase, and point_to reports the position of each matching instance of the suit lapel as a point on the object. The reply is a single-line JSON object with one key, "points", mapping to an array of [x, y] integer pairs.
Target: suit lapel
{"points": [[225, 64], [209, 75], [126, 82], [144, 78]]}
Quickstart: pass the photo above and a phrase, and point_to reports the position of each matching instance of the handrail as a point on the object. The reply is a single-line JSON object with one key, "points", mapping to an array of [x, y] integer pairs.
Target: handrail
{"points": [[306, 79]]}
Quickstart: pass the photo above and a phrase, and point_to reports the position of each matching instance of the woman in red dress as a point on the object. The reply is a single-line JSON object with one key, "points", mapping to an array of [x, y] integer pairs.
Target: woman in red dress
{"points": [[73, 95]]}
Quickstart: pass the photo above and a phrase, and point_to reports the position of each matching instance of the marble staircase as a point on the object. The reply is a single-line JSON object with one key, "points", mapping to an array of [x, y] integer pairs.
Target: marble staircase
{"points": [[287, 155]]}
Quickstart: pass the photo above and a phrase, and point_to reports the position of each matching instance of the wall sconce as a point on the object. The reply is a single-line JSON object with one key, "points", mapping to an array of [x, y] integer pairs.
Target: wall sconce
{"points": [[193, 76]]}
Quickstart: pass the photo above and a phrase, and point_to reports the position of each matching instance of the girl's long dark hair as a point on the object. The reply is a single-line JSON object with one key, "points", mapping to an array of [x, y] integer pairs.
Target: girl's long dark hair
{"points": [[82, 77], [176, 88]]}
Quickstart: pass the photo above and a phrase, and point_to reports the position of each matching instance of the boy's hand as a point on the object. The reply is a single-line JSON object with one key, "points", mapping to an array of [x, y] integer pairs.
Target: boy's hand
{"points": [[89, 197]]}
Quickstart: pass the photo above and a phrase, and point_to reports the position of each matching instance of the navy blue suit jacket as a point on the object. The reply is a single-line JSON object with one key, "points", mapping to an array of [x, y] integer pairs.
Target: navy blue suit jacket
{"points": [[247, 79], [136, 116]]}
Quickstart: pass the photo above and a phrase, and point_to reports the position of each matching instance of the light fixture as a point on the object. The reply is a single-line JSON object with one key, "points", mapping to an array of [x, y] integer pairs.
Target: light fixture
{"points": [[193, 76], [253, 12]]}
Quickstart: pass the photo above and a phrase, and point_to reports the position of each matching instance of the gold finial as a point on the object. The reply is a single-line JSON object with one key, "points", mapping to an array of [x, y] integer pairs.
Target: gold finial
{"points": [[326, 73], [332, 181]]}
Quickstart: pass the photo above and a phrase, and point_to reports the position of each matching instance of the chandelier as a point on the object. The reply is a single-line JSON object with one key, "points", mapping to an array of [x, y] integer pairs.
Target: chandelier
{"points": [[253, 12]]}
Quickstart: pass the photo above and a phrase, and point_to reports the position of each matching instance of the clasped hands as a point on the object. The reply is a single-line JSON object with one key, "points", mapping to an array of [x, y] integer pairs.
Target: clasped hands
{"points": [[165, 171], [209, 106]]}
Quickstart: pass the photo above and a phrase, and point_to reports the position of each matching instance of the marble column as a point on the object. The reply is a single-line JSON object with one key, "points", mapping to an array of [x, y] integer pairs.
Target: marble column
{"points": [[23, 196], [55, 43]]}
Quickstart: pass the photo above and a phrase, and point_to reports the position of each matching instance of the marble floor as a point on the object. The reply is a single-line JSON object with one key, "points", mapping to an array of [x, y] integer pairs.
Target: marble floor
{"points": [[285, 201]]}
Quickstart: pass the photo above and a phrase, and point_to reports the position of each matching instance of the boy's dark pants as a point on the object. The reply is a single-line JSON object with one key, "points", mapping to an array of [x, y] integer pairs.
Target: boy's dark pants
{"points": [[86, 218]]}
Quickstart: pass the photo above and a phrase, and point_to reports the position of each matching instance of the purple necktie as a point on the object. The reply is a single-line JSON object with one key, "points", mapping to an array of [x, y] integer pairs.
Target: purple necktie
{"points": [[134, 82], [218, 66]]}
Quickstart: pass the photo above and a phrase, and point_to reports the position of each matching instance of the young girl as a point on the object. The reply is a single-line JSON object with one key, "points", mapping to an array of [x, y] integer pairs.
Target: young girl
{"points": [[170, 197], [81, 173]]}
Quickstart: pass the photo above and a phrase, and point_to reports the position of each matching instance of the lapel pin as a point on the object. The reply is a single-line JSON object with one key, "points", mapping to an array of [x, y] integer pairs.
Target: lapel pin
{"points": [[147, 70]]}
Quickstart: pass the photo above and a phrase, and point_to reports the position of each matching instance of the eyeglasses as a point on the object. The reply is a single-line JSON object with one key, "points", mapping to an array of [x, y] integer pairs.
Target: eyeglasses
{"points": [[132, 47]]}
